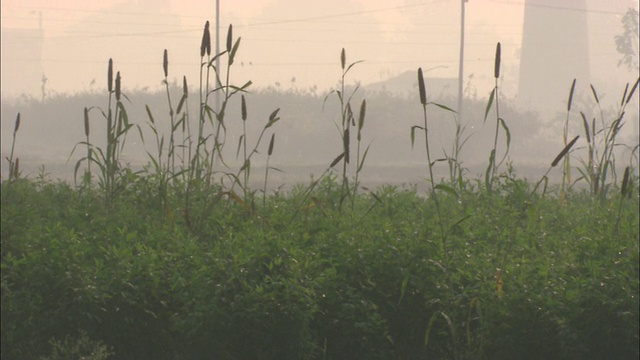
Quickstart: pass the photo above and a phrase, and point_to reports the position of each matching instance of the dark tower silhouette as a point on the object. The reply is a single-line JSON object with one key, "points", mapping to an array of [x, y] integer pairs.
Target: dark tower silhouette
{"points": [[555, 50]]}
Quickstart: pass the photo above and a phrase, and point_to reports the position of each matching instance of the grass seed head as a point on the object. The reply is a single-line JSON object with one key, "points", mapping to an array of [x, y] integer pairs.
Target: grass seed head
{"points": [[633, 90], [585, 123], [205, 46], [496, 69], [110, 76], [625, 182], [595, 94], [165, 63], [422, 88], [17, 126], [118, 86], [346, 141], [271, 143], [185, 89], [230, 38], [363, 109], [573, 87], [343, 58], [336, 160], [86, 122], [624, 94], [564, 151], [243, 105]]}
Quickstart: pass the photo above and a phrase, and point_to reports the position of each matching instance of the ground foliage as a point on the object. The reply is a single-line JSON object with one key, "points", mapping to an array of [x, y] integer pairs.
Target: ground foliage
{"points": [[518, 276]]}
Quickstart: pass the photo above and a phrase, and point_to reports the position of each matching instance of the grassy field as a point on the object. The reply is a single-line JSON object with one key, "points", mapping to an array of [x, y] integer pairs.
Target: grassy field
{"points": [[191, 258]]}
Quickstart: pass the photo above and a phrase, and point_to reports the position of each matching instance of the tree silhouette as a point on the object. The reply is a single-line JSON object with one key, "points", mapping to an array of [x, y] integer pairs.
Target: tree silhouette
{"points": [[627, 42]]}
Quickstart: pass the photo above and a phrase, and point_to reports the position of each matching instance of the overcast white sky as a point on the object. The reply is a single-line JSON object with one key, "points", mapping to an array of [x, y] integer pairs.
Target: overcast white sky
{"points": [[290, 42]]}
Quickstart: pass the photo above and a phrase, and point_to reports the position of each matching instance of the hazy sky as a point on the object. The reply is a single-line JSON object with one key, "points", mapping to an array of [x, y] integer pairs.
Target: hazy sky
{"points": [[285, 42]]}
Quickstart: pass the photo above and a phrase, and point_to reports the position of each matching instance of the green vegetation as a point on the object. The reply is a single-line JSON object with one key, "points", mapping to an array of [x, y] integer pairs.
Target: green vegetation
{"points": [[171, 262]]}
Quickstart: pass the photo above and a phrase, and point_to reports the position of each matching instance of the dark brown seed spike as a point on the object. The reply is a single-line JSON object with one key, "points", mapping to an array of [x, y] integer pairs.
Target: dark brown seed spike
{"points": [[363, 109], [573, 87], [185, 89], [625, 182], [585, 123], [17, 126], [273, 136], [110, 76], [118, 86], [165, 63], [624, 94], [336, 160], [229, 38], [243, 106], [421, 88], [205, 45], [564, 151], [346, 145], [595, 95], [86, 122], [496, 69]]}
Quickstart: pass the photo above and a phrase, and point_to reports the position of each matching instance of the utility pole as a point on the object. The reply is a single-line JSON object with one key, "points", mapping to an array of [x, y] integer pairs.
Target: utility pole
{"points": [[461, 65]]}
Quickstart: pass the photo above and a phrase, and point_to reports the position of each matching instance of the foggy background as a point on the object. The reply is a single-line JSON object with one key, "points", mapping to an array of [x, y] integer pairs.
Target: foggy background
{"points": [[55, 54]]}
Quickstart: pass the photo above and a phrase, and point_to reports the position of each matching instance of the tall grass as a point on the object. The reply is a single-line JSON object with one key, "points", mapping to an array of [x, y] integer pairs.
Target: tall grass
{"points": [[113, 176], [566, 169], [601, 143], [494, 164], [347, 120], [453, 158], [14, 164], [422, 90]]}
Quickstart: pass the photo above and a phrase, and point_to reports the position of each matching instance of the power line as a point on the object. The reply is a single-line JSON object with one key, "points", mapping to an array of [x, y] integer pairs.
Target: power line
{"points": [[557, 7]]}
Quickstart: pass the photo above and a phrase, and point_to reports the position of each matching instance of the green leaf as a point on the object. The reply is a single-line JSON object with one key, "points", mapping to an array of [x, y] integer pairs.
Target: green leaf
{"points": [[403, 287], [508, 137], [489, 103], [448, 189], [413, 133], [444, 107], [488, 175], [429, 326], [239, 145], [364, 157], [352, 65]]}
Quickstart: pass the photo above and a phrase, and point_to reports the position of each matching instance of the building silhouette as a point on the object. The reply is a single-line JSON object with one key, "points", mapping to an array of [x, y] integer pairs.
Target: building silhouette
{"points": [[555, 50]]}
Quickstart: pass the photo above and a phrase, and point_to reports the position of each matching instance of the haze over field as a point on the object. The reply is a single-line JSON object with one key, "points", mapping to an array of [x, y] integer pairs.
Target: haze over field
{"points": [[52, 48]]}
